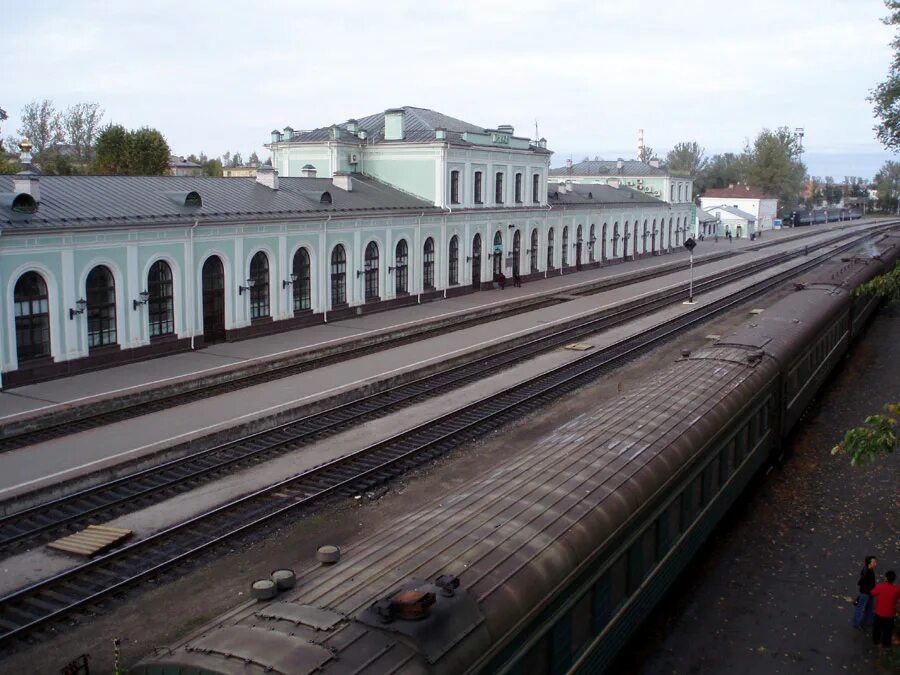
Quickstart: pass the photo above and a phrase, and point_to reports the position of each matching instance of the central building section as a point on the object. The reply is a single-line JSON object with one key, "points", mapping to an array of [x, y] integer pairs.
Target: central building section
{"points": [[441, 159]]}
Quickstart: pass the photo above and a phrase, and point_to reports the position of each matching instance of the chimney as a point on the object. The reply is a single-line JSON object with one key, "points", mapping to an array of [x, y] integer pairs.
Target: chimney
{"points": [[569, 165], [506, 129], [27, 181], [542, 143], [276, 135], [394, 125], [288, 133], [342, 180], [267, 176], [440, 134], [336, 132], [620, 164], [654, 163], [352, 126], [363, 134], [308, 171]]}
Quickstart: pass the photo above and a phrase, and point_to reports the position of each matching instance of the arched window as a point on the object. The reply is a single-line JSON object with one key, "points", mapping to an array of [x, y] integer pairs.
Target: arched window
{"points": [[259, 288], [550, 249], [534, 250], [338, 277], [565, 247], [370, 271], [428, 265], [498, 188], [625, 238], [32, 310], [678, 231], [161, 306], [579, 239], [643, 237], [454, 261], [653, 236], [517, 253], [498, 254], [669, 235], [302, 288], [592, 242], [101, 307], [615, 240], [679, 192], [476, 262], [603, 233], [401, 268]]}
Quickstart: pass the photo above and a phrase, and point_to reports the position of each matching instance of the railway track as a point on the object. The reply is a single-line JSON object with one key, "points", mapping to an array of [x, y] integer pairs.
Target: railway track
{"points": [[83, 420], [27, 609], [142, 488]]}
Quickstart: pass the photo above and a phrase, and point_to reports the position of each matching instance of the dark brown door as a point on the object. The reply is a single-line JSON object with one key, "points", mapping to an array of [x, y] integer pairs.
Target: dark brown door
{"points": [[476, 263], [213, 300]]}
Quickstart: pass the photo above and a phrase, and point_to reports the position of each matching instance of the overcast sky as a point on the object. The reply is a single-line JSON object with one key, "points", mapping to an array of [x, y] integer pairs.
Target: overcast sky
{"points": [[219, 75]]}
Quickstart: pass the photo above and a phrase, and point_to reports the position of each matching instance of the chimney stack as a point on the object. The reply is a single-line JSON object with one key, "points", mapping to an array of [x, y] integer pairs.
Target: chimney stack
{"points": [[394, 124], [308, 171], [268, 176], [342, 180], [620, 164], [27, 181], [654, 163]]}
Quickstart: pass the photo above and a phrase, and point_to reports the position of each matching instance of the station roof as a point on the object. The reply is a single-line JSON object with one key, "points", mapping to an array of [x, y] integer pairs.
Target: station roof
{"points": [[93, 201], [733, 210], [631, 167], [419, 126], [600, 194]]}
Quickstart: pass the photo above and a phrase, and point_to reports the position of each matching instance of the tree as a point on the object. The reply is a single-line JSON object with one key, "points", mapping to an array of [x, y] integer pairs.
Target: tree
{"points": [[649, 153], [213, 168], [143, 152], [111, 150], [253, 159], [885, 98], [148, 153], [721, 171], [226, 159], [887, 184], [42, 125], [237, 160], [81, 123], [771, 164], [686, 159]]}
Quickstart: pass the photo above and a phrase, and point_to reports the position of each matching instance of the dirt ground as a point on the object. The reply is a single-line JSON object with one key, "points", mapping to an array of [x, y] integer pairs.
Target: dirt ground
{"points": [[160, 611]]}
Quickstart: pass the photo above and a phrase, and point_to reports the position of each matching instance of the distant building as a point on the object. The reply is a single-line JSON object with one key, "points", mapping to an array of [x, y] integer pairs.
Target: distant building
{"points": [[731, 219], [179, 166], [648, 177], [248, 171], [761, 207]]}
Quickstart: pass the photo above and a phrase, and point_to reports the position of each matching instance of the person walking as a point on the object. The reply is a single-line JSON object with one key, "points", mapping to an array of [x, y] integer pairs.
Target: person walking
{"points": [[885, 596], [864, 612]]}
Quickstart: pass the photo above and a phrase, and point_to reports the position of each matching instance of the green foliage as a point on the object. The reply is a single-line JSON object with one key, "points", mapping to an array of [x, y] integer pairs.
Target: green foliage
{"points": [[771, 165], [867, 443], [885, 98], [885, 286], [42, 125], [887, 185], [686, 159], [143, 152], [722, 171], [213, 168]]}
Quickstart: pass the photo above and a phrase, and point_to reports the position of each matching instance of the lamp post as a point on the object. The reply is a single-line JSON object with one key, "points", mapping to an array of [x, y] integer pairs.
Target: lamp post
{"points": [[689, 244], [798, 133]]}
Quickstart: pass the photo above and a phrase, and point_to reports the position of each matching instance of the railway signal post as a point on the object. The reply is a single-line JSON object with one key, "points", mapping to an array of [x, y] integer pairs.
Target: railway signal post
{"points": [[689, 244]]}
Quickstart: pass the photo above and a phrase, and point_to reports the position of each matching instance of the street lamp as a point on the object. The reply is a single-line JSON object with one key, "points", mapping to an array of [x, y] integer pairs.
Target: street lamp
{"points": [[798, 133]]}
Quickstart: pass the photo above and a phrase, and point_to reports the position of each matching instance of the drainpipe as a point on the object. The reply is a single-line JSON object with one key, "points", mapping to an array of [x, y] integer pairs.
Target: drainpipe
{"points": [[325, 311], [193, 303]]}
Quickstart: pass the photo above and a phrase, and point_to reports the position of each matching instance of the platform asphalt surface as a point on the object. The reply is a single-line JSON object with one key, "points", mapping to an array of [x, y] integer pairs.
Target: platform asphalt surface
{"points": [[773, 593]]}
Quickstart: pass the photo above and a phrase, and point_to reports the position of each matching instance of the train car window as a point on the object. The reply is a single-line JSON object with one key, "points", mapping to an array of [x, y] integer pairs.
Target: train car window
{"points": [[582, 623], [538, 659], [602, 602], [618, 580]]}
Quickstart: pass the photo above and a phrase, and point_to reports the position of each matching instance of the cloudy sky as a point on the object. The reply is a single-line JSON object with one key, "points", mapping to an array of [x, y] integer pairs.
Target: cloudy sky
{"points": [[217, 75]]}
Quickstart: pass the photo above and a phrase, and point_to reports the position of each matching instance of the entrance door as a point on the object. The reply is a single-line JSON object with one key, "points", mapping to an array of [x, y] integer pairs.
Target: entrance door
{"points": [[738, 231], [517, 250], [213, 300], [476, 262]]}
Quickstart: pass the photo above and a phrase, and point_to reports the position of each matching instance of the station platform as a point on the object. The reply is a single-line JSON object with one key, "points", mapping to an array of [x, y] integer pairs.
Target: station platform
{"points": [[234, 357], [59, 464]]}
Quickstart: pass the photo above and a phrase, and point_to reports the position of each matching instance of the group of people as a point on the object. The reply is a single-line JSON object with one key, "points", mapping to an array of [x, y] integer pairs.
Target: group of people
{"points": [[500, 280], [876, 604]]}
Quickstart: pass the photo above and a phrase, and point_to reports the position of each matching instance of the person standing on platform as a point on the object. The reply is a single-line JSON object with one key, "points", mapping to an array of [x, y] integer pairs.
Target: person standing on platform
{"points": [[885, 597], [863, 614], [501, 280], [517, 280]]}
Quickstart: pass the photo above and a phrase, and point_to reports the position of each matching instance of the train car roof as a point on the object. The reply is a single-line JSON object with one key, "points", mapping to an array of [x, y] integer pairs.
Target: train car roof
{"points": [[510, 539]]}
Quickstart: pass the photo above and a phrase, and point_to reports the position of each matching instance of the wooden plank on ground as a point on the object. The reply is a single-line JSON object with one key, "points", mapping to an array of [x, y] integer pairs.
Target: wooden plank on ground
{"points": [[91, 540]]}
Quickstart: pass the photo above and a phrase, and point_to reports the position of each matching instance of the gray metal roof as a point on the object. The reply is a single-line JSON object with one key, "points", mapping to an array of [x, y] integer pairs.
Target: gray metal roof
{"points": [[91, 201], [419, 125], [733, 210], [705, 216], [601, 194], [630, 167]]}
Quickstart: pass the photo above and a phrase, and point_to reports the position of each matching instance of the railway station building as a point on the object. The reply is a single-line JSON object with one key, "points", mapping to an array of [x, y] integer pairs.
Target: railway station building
{"points": [[397, 208]]}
